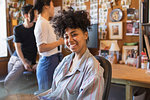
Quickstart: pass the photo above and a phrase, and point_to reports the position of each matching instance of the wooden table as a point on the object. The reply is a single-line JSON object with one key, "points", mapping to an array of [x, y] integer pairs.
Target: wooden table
{"points": [[20, 97], [130, 76]]}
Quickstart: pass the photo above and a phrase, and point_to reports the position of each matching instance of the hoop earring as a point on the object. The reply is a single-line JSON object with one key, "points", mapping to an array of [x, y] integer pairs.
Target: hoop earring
{"points": [[66, 49]]}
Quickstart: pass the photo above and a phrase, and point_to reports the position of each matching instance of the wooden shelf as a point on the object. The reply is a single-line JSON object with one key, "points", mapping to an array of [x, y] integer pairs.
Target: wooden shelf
{"points": [[145, 24]]}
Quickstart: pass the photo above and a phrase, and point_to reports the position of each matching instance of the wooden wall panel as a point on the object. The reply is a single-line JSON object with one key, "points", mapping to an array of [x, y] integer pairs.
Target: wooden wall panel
{"points": [[29, 1], [57, 2], [3, 66]]}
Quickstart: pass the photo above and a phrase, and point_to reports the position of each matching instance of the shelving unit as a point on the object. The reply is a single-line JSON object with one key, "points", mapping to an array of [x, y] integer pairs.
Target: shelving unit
{"points": [[140, 31], [145, 24], [144, 28]]}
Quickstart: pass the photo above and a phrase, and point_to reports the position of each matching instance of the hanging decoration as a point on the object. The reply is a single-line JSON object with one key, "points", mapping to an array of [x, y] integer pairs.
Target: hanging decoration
{"points": [[15, 12], [125, 4], [76, 4]]}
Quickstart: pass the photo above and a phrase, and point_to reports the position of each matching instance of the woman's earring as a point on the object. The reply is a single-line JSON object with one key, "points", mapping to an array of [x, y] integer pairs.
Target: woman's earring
{"points": [[66, 49]]}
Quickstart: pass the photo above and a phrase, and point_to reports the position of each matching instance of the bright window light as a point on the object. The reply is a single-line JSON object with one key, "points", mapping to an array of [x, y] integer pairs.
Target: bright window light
{"points": [[3, 29]]}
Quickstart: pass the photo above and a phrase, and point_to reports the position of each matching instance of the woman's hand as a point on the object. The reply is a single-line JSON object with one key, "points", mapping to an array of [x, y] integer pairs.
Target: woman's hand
{"points": [[27, 66], [34, 67]]}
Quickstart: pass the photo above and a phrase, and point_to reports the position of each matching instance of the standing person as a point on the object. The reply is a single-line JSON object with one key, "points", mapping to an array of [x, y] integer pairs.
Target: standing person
{"points": [[47, 44], [79, 76], [26, 51]]}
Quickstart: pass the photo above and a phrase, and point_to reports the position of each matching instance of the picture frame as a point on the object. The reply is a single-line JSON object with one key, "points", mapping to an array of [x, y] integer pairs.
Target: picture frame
{"points": [[115, 30], [104, 49], [128, 51], [132, 28], [106, 44], [129, 28], [131, 14]]}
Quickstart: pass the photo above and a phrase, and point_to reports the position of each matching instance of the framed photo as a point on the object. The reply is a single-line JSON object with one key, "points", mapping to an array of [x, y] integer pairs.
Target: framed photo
{"points": [[104, 49], [129, 51], [115, 30], [136, 28], [132, 28], [129, 27], [130, 14], [106, 44]]}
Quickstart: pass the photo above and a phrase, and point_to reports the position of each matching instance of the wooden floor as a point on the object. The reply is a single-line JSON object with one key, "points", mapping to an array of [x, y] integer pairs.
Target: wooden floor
{"points": [[25, 86], [20, 97]]}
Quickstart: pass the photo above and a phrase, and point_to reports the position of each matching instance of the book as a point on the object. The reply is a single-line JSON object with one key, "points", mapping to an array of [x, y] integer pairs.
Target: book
{"points": [[147, 44], [145, 12]]}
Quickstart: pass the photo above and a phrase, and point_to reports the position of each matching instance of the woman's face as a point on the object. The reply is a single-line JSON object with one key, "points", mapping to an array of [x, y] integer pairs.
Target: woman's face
{"points": [[75, 40], [51, 9]]}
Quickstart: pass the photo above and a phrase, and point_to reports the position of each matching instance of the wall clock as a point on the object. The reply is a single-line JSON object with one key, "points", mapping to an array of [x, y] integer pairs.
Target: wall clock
{"points": [[116, 15]]}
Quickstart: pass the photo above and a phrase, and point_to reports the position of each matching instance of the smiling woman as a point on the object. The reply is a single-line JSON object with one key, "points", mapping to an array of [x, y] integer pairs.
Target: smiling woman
{"points": [[79, 75], [3, 29]]}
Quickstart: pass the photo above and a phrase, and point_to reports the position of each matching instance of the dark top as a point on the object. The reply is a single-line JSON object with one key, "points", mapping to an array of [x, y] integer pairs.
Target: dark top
{"points": [[26, 37]]}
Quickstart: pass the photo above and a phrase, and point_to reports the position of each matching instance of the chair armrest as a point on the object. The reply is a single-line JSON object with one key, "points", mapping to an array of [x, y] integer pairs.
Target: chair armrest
{"points": [[45, 93], [41, 94]]}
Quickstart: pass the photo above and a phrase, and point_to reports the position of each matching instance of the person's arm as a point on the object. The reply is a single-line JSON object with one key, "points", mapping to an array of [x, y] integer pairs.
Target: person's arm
{"points": [[20, 55], [92, 87], [47, 47]]}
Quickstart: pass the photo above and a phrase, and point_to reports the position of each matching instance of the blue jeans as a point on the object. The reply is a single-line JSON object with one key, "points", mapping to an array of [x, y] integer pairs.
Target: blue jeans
{"points": [[45, 70]]}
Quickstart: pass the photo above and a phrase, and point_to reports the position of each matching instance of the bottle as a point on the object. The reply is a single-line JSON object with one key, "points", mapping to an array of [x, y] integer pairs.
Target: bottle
{"points": [[148, 65], [137, 62], [144, 60]]}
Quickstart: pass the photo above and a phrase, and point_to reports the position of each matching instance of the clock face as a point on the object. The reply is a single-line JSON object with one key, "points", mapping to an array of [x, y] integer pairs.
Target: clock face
{"points": [[116, 15]]}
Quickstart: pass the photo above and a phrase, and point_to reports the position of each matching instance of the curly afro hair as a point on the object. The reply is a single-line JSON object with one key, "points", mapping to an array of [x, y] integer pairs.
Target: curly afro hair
{"points": [[71, 19]]}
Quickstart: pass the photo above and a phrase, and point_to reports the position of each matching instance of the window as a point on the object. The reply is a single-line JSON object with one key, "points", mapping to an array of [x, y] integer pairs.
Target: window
{"points": [[3, 29]]}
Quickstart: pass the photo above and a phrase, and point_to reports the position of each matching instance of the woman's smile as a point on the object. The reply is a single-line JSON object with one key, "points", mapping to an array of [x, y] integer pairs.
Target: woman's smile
{"points": [[72, 45]]}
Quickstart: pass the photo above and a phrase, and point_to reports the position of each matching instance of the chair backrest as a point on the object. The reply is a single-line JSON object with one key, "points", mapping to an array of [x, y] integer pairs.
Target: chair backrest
{"points": [[8, 47], [107, 75]]}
